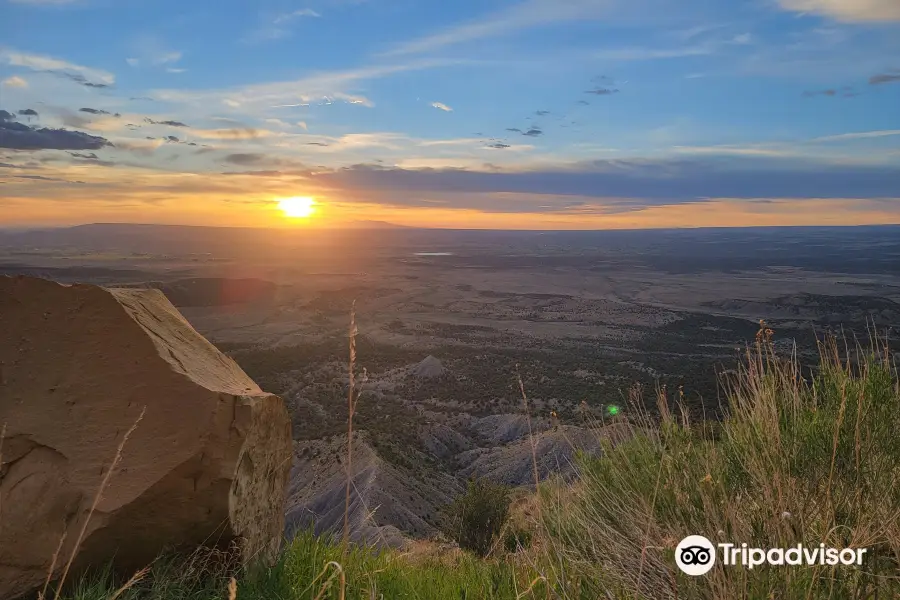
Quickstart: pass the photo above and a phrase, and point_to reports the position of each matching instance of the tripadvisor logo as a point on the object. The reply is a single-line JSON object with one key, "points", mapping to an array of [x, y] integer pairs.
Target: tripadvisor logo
{"points": [[696, 555]]}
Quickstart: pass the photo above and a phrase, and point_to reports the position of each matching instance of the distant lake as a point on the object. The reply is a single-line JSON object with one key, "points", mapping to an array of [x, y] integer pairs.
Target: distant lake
{"points": [[433, 253]]}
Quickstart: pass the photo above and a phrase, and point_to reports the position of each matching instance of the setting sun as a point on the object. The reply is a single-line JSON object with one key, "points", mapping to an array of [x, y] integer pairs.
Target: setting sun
{"points": [[299, 207]]}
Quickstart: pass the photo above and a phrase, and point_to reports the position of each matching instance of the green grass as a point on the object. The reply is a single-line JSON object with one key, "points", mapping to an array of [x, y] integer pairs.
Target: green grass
{"points": [[316, 568], [795, 461], [798, 458]]}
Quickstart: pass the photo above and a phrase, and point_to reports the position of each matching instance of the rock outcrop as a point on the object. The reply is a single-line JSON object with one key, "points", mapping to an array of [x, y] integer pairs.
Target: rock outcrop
{"points": [[429, 367], [207, 464]]}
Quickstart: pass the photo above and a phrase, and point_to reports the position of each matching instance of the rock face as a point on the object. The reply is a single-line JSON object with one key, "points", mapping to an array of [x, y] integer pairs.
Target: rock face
{"points": [[207, 463]]}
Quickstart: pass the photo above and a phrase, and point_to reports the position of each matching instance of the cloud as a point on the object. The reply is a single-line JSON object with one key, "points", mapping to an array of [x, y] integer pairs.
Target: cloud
{"points": [[18, 136], [49, 179], [303, 12], [498, 146], [245, 159], [234, 133], [541, 113], [847, 10], [28, 112], [862, 135], [47, 64], [441, 106], [80, 79], [514, 129], [639, 53], [277, 28], [636, 182], [327, 87], [845, 92], [150, 50], [533, 132], [167, 123], [524, 15], [91, 159], [98, 111], [15, 81], [891, 76], [602, 92]]}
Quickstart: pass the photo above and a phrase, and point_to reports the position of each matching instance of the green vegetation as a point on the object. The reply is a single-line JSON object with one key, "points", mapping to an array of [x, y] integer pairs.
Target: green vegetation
{"points": [[477, 516], [316, 568], [799, 458], [796, 461]]}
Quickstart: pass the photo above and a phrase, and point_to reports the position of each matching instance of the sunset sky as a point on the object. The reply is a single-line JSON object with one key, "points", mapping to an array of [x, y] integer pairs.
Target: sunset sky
{"points": [[538, 114]]}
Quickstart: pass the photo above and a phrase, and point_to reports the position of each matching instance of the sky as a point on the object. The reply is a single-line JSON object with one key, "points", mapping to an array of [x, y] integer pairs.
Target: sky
{"points": [[521, 114]]}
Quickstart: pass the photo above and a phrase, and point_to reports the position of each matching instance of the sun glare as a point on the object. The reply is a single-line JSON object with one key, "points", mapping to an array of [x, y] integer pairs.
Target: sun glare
{"points": [[297, 207]]}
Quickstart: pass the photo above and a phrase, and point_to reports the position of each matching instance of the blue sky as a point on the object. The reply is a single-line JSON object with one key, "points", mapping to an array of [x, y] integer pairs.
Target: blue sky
{"points": [[554, 111]]}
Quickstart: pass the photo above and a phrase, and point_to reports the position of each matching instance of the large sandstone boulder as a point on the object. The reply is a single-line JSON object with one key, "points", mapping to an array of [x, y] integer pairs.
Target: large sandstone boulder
{"points": [[208, 463]]}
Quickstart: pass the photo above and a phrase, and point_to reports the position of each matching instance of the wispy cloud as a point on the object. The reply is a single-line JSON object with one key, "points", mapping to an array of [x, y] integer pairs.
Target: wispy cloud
{"points": [[844, 92], [862, 135], [322, 87], [303, 12], [167, 123], [15, 81], [891, 76], [601, 91], [149, 50], [640, 53], [524, 15], [234, 133], [441, 106], [848, 10], [277, 28], [49, 64]]}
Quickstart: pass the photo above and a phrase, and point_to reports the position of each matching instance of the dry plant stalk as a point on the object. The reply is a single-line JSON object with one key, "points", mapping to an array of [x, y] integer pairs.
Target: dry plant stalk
{"points": [[132, 581], [537, 478], [52, 568], [339, 572], [103, 484], [2, 437], [351, 406]]}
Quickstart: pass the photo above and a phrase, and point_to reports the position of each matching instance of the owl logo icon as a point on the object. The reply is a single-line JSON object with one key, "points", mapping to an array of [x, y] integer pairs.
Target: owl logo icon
{"points": [[695, 555]]}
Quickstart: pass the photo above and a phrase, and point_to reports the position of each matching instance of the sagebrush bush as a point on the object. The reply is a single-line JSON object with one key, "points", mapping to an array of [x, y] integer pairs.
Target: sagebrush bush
{"points": [[477, 516]]}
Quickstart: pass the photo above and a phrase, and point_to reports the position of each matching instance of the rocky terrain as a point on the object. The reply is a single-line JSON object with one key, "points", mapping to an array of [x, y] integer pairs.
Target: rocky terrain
{"points": [[448, 322]]}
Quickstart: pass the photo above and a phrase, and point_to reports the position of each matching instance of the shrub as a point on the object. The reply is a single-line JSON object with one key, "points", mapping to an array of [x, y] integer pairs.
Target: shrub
{"points": [[477, 516]]}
